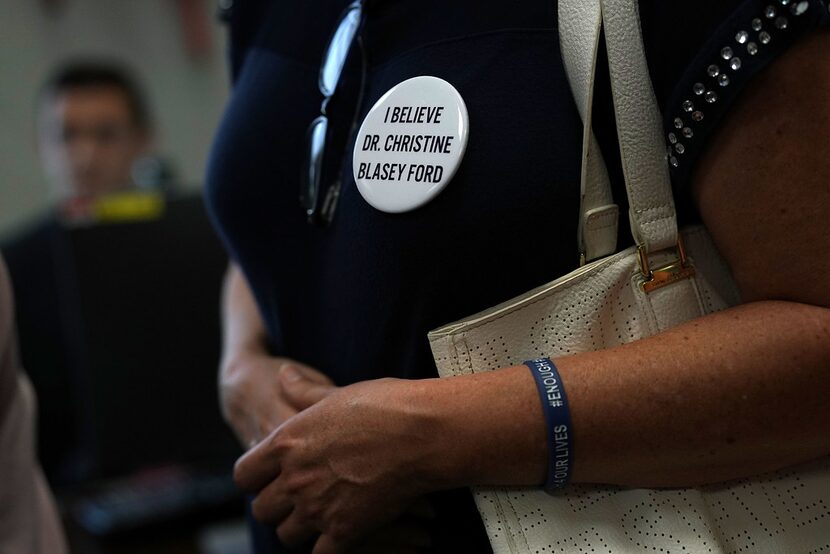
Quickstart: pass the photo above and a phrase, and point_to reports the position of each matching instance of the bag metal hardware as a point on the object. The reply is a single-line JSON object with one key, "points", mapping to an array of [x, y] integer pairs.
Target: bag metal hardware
{"points": [[667, 274]]}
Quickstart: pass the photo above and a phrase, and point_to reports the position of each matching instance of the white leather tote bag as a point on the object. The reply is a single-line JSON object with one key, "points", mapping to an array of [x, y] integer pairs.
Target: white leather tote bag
{"points": [[620, 298]]}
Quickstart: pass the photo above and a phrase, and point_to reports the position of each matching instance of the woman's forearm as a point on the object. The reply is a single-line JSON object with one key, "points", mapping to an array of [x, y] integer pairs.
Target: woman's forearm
{"points": [[242, 327], [733, 394]]}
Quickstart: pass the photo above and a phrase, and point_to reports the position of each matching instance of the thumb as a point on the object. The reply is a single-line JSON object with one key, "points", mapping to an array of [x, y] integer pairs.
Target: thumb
{"points": [[301, 392]]}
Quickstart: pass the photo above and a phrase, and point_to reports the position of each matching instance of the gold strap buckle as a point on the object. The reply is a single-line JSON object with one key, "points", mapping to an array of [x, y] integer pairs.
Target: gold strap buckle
{"points": [[667, 274]]}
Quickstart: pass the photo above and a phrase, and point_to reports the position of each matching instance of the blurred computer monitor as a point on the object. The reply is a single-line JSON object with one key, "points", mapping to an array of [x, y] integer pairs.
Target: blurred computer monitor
{"points": [[143, 315]]}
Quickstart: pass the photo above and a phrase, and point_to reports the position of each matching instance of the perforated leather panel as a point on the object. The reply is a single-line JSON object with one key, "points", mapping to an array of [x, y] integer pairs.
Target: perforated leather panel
{"points": [[599, 307]]}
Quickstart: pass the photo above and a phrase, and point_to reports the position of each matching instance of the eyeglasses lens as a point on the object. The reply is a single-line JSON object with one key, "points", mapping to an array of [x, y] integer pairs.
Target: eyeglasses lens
{"points": [[316, 144], [330, 71], [338, 49]]}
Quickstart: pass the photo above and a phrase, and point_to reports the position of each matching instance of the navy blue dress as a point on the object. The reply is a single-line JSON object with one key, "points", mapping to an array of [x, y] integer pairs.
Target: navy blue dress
{"points": [[356, 298]]}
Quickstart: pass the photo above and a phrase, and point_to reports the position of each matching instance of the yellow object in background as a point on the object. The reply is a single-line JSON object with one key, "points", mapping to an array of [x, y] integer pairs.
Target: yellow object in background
{"points": [[128, 206], [118, 207]]}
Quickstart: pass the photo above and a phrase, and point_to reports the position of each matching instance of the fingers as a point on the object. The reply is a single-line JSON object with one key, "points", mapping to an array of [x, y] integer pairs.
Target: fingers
{"points": [[327, 544], [300, 391], [263, 424], [272, 504], [313, 374], [295, 530], [257, 467]]}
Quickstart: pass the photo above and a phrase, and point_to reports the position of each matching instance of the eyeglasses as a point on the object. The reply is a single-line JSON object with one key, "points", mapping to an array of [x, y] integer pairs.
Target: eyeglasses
{"points": [[330, 71]]}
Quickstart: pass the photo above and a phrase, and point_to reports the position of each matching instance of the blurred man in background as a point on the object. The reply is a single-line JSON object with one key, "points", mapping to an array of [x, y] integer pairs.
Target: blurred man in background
{"points": [[115, 288], [93, 126], [116, 277]]}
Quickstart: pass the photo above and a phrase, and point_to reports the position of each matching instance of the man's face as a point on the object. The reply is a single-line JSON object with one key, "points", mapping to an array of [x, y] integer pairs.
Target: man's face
{"points": [[89, 141]]}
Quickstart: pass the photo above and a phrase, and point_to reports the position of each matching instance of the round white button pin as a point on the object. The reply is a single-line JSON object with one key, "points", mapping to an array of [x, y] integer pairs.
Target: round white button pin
{"points": [[410, 144]]}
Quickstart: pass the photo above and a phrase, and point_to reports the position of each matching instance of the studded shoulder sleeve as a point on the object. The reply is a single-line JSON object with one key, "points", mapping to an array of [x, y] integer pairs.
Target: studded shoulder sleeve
{"points": [[703, 54]]}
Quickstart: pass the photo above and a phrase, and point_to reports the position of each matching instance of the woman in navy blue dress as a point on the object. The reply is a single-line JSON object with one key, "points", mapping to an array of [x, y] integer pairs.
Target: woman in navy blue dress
{"points": [[318, 315]]}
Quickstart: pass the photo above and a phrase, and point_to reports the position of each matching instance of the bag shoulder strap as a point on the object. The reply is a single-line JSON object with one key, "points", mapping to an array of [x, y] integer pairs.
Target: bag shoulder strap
{"points": [[639, 129], [580, 22]]}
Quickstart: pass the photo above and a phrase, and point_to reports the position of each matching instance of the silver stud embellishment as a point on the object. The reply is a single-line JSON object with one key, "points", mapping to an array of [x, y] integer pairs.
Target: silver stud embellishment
{"points": [[799, 7], [764, 36]]}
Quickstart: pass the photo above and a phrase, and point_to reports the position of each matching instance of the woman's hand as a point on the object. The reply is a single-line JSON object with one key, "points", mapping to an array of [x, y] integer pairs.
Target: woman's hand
{"points": [[251, 381], [345, 466], [252, 393]]}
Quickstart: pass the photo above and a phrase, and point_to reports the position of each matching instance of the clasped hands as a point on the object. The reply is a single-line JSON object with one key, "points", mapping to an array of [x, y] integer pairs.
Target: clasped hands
{"points": [[343, 466]]}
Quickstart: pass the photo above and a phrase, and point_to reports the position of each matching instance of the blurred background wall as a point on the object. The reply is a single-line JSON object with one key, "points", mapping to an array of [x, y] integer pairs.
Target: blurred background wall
{"points": [[118, 316], [175, 47]]}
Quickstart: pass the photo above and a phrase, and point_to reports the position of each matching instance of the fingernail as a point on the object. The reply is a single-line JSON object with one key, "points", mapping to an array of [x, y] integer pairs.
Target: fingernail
{"points": [[289, 374]]}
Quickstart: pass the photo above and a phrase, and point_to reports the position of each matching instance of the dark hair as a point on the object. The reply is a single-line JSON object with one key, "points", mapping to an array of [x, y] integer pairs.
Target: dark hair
{"points": [[77, 75]]}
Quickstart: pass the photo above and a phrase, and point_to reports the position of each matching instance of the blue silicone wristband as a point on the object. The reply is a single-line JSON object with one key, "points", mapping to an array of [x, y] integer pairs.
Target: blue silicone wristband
{"points": [[558, 418]]}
